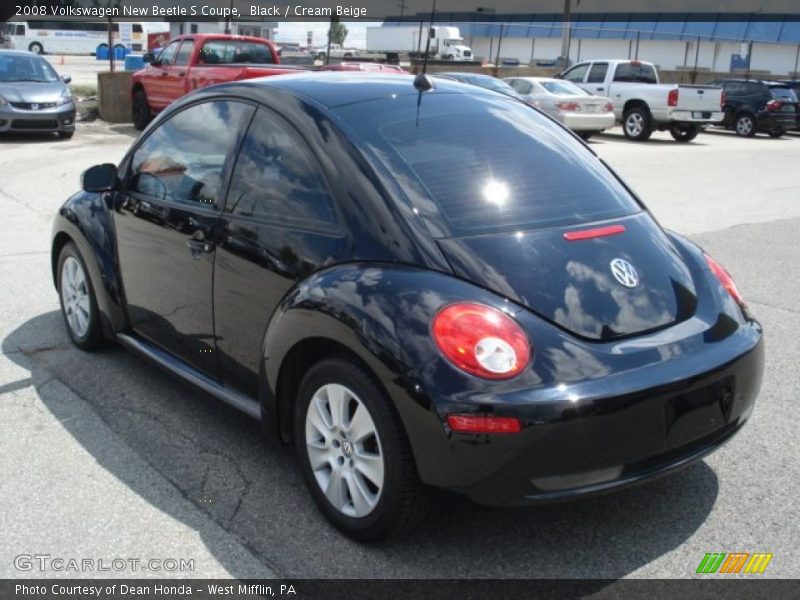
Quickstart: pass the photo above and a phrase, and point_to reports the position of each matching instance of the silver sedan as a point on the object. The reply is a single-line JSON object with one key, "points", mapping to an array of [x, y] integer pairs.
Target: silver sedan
{"points": [[567, 103]]}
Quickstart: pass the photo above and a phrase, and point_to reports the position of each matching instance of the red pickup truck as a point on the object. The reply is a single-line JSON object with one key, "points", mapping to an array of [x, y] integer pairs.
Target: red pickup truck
{"points": [[193, 61]]}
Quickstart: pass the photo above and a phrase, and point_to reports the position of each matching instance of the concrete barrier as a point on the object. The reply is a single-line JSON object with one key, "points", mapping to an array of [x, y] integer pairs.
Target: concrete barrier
{"points": [[114, 96]]}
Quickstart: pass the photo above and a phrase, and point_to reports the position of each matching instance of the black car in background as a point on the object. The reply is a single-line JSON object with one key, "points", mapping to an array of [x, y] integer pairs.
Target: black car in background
{"points": [[756, 105], [795, 85], [418, 284]]}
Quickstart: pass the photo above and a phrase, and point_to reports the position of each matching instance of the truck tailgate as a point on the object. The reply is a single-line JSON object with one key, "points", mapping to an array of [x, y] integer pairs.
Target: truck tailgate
{"points": [[703, 98]]}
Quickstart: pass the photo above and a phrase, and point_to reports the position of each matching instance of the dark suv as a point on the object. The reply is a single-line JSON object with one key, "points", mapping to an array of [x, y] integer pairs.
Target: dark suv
{"points": [[795, 85], [753, 105]]}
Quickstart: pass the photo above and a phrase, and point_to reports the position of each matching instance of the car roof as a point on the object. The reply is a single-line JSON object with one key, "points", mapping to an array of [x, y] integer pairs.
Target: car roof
{"points": [[338, 88], [4, 52], [204, 37], [539, 79]]}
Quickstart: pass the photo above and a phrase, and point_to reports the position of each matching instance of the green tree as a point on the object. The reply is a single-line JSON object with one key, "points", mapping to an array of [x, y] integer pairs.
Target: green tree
{"points": [[338, 33]]}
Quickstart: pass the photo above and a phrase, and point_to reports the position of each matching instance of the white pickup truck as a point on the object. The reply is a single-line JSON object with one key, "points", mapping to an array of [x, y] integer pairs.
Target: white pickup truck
{"points": [[337, 51], [644, 105]]}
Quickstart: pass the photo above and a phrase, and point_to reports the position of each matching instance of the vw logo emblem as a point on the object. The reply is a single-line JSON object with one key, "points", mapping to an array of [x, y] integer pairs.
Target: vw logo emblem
{"points": [[624, 273], [347, 449]]}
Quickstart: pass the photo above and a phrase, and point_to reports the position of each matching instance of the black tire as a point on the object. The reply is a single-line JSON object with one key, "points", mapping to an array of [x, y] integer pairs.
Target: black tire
{"points": [[643, 128], [776, 132], [66, 135], [141, 110], [36, 48], [584, 135], [684, 132], [93, 337], [403, 501], [745, 125]]}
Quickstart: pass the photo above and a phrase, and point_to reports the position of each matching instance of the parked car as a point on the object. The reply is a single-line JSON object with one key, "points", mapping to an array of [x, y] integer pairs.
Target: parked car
{"points": [[194, 61], [795, 85], [478, 79], [33, 98], [755, 105], [417, 286], [644, 105], [578, 110], [336, 51]]}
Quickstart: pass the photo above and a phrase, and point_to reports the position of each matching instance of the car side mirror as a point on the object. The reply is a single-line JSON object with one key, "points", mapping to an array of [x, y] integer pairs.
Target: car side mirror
{"points": [[149, 58], [66, 78], [100, 178]]}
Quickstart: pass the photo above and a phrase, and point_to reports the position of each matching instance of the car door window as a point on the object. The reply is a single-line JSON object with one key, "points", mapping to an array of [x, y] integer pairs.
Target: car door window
{"points": [[277, 179], [577, 73], [183, 160], [597, 74], [168, 54], [185, 53]]}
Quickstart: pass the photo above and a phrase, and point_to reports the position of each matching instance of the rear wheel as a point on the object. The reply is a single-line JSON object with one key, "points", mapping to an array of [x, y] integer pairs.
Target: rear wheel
{"points": [[354, 453], [141, 110], [636, 124], [584, 135], [684, 132], [36, 48], [78, 301], [776, 133], [745, 125]]}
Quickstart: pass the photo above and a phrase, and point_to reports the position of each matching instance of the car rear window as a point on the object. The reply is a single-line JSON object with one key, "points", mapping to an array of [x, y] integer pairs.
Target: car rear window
{"points": [[635, 72], [224, 52], [473, 164], [783, 93]]}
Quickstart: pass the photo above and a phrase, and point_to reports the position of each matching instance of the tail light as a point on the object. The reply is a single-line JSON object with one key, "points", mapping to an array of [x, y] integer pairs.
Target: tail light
{"points": [[725, 279], [774, 105], [568, 106], [483, 424], [672, 97], [481, 340], [609, 107], [722, 100]]}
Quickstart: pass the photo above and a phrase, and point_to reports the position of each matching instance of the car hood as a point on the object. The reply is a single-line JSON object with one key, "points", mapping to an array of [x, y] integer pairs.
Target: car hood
{"points": [[572, 284], [32, 91]]}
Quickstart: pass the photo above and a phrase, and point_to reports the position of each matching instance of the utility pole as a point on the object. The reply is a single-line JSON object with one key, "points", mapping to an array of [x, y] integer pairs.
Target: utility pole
{"points": [[565, 34]]}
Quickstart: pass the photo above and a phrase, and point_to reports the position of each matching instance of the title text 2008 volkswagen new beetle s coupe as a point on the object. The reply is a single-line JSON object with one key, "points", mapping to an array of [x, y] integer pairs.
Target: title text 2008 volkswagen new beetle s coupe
{"points": [[417, 287]]}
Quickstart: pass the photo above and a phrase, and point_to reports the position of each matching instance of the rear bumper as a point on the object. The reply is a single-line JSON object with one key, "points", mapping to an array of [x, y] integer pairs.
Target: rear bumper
{"points": [[688, 116], [588, 122], [768, 120], [51, 120], [578, 447]]}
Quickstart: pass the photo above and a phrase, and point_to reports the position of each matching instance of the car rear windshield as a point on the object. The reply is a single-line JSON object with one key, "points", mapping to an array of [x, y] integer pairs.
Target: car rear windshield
{"points": [[474, 164], [562, 88], [783, 93], [634, 72], [224, 52]]}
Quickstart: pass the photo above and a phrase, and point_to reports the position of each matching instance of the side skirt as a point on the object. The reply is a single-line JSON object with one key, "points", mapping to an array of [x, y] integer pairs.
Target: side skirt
{"points": [[247, 405]]}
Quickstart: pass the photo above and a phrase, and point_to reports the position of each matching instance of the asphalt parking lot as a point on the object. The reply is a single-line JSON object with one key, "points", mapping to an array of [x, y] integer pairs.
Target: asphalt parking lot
{"points": [[104, 456]]}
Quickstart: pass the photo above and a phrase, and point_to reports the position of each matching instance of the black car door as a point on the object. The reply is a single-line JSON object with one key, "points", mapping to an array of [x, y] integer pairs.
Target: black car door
{"points": [[166, 216], [279, 225]]}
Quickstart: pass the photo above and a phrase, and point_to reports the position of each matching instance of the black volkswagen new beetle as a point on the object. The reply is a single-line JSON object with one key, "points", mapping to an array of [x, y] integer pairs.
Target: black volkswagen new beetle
{"points": [[417, 287]]}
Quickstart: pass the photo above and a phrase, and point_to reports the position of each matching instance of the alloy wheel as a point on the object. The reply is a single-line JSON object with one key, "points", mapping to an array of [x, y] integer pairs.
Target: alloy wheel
{"points": [[75, 297], [744, 125], [344, 450], [634, 124]]}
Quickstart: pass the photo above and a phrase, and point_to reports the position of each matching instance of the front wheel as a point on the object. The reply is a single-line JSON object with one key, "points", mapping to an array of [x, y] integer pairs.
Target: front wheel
{"points": [[36, 48], [141, 110], [354, 453], [636, 124], [684, 132], [584, 135], [78, 301]]}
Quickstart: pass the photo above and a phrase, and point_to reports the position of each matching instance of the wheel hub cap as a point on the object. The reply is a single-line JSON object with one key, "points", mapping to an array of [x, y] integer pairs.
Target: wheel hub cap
{"points": [[75, 296], [344, 450]]}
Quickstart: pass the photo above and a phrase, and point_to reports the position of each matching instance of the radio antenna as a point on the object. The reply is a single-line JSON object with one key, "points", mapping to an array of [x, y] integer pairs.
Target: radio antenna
{"points": [[422, 82]]}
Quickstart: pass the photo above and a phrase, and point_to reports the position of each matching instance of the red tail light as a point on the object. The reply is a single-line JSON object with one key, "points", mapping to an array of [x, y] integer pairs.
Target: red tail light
{"points": [[569, 106], [481, 340], [774, 105], [672, 97], [725, 279], [722, 100], [609, 107], [483, 424]]}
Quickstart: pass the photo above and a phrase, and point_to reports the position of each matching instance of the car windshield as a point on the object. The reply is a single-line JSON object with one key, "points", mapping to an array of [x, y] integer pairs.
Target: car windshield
{"points": [[562, 88], [783, 92], [15, 67], [474, 164]]}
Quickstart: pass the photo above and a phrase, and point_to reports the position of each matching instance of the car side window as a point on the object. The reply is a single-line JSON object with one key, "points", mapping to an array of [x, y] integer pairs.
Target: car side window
{"points": [[168, 54], [277, 179], [182, 58], [577, 73], [597, 74], [183, 160], [753, 89]]}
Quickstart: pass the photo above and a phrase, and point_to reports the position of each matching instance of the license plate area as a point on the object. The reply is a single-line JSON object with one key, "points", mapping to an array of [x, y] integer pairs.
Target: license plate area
{"points": [[701, 115], [693, 415]]}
